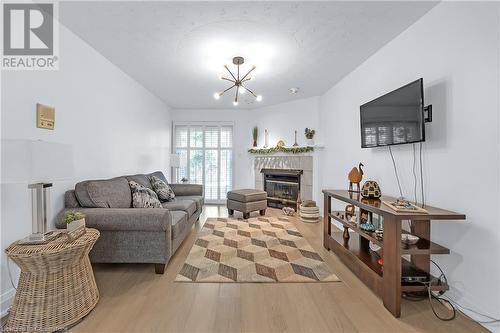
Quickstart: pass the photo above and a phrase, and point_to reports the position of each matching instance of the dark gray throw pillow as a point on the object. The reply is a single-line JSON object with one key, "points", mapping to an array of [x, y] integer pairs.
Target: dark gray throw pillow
{"points": [[143, 197], [162, 189]]}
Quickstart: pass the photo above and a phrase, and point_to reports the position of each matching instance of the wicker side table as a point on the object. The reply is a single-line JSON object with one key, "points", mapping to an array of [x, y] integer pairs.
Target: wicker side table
{"points": [[56, 287]]}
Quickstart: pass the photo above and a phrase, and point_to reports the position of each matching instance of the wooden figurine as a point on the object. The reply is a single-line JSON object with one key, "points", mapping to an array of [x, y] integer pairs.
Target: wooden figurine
{"points": [[350, 211], [355, 176]]}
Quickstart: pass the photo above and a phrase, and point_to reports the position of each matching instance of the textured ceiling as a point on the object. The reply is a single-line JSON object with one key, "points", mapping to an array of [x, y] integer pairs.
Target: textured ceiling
{"points": [[177, 49]]}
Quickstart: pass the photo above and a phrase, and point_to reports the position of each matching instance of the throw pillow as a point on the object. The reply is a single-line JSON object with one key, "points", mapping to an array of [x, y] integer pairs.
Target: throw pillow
{"points": [[143, 197], [161, 188]]}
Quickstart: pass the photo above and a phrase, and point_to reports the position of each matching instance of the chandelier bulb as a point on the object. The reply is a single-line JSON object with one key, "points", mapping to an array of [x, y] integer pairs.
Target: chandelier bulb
{"points": [[258, 98], [235, 103], [216, 95]]}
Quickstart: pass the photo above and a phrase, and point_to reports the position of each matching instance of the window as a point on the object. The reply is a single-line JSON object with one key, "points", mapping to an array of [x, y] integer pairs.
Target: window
{"points": [[206, 154]]}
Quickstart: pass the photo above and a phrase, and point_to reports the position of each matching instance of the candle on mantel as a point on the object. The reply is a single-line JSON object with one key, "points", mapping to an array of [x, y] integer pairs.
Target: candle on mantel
{"points": [[266, 141]]}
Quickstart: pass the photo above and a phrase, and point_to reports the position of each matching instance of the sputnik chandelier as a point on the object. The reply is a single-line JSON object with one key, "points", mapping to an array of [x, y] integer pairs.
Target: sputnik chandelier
{"points": [[237, 82]]}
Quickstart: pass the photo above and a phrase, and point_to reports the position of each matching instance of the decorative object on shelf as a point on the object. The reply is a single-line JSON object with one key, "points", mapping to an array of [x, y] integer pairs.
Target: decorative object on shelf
{"points": [[184, 180], [353, 220], [295, 144], [367, 227], [409, 239], [380, 261], [280, 144], [56, 286], [309, 133], [288, 211], [363, 216], [404, 206], [75, 224], [371, 190], [379, 233], [237, 81], [287, 150], [255, 135], [350, 211], [345, 234], [266, 138], [309, 212], [355, 176]]}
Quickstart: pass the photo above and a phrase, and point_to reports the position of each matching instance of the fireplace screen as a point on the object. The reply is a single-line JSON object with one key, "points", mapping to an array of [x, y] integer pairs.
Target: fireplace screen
{"points": [[282, 187]]}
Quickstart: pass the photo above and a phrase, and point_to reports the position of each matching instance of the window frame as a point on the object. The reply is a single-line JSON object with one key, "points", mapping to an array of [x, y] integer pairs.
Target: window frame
{"points": [[188, 148]]}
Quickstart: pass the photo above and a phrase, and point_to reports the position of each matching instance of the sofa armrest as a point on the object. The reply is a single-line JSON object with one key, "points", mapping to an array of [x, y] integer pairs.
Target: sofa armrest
{"points": [[123, 219], [186, 189]]}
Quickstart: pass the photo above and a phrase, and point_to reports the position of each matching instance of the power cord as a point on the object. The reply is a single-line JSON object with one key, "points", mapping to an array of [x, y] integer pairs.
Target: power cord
{"points": [[444, 300], [422, 175], [396, 172], [414, 173]]}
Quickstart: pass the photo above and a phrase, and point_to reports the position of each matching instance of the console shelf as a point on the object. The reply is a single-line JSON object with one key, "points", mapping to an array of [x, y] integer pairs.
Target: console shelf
{"points": [[423, 246], [355, 253]]}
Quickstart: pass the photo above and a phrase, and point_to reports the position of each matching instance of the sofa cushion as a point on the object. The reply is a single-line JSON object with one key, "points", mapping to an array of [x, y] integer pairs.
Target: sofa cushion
{"points": [[188, 206], [179, 222], [108, 193], [143, 197], [198, 199], [247, 195], [162, 189], [160, 175], [140, 179]]}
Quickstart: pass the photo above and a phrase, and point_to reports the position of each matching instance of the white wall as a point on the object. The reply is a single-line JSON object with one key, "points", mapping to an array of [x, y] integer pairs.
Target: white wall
{"points": [[281, 120], [455, 48], [113, 124]]}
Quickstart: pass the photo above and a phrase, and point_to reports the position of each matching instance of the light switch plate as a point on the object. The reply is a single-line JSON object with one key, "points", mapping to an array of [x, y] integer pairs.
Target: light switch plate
{"points": [[45, 116]]}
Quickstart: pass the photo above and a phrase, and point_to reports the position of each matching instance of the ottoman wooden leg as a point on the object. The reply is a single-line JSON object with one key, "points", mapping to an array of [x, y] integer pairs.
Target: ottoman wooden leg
{"points": [[230, 211], [160, 268], [246, 215], [262, 212]]}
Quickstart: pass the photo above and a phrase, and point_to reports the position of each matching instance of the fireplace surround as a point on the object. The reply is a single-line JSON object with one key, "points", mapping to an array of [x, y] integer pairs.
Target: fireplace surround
{"points": [[282, 187]]}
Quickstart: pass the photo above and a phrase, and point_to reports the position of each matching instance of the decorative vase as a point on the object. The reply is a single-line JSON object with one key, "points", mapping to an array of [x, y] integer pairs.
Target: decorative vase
{"points": [[310, 142]]}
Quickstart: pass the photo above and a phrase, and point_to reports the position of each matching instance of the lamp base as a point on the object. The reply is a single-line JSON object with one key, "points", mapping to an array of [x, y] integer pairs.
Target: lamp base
{"points": [[34, 239]]}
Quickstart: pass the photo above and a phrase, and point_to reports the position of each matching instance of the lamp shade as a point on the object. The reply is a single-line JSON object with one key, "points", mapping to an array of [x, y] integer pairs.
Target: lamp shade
{"points": [[175, 160], [36, 161]]}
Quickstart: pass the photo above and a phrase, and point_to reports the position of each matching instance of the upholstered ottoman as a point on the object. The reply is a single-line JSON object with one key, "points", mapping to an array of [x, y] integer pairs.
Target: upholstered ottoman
{"points": [[246, 201]]}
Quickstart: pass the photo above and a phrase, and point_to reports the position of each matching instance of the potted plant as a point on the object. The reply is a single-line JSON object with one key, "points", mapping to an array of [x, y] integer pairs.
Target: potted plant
{"points": [[184, 180], [309, 132], [255, 135], [74, 220]]}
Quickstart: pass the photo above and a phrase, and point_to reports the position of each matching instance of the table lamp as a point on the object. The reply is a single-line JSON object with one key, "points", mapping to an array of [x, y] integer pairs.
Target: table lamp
{"points": [[37, 163], [175, 163]]}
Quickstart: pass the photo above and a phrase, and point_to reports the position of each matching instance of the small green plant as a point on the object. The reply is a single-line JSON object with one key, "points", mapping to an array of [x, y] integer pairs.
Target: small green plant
{"points": [[184, 180], [255, 135], [72, 215], [309, 132]]}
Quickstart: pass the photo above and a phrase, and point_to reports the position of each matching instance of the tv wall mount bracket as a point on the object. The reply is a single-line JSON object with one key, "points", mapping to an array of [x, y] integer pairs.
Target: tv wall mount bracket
{"points": [[428, 113]]}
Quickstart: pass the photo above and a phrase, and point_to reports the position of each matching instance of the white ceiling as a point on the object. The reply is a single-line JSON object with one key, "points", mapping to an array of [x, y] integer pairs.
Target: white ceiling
{"points": [[178, 49]]}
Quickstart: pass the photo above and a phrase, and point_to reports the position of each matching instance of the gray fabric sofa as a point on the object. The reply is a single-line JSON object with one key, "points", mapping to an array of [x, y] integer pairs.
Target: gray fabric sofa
{"points": [[134, 235]]}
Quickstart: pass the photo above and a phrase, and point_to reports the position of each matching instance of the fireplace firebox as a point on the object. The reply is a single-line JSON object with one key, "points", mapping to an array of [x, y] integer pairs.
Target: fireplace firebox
{"points": [[282, 187]]}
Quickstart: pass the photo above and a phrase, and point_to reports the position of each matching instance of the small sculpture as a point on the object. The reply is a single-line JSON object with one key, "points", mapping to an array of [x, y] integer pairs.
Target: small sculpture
{"points": [[371, 189], [355, 176], [280, 144], [288, 211]]}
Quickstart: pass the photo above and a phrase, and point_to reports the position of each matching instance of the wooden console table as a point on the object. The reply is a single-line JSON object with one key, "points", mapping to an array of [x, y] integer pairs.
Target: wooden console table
{"points": [[355, 252]]}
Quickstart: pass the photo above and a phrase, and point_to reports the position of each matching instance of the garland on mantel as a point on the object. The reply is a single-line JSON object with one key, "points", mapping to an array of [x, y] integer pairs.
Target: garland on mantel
{"points": [[287, 150]]}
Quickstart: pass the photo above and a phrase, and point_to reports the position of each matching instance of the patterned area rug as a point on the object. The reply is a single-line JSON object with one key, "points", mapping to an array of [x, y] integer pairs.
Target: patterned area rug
{"points": [[263, 249]]}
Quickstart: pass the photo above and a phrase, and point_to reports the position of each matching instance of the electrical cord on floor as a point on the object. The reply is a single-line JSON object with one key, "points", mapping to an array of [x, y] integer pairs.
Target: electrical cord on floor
{"points": [[444, 300]]}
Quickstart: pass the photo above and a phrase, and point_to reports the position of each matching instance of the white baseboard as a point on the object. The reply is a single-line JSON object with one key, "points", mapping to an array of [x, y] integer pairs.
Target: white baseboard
{"points": [[6, 301]]}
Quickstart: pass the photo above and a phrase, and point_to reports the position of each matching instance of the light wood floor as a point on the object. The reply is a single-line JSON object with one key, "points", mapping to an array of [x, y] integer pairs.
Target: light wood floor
{"points": [[135, 299]]}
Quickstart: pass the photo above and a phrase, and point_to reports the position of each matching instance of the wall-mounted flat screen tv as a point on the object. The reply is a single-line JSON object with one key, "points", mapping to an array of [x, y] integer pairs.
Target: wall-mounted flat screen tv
{"points": [[394, 118]]}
